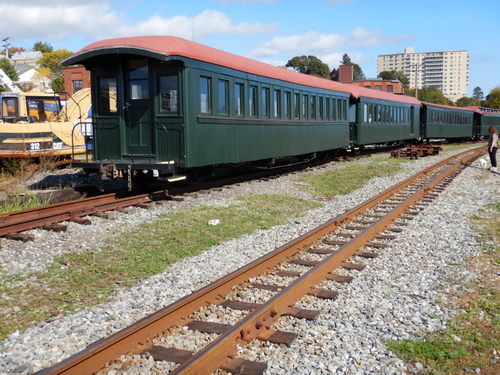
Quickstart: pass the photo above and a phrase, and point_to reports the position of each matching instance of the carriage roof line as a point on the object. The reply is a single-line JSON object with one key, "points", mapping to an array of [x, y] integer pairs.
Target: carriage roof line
{"points": [[160, 47]]}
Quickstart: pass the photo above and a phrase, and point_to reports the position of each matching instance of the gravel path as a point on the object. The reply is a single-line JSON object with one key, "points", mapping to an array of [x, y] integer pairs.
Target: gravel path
{"points": [[393, 298]]}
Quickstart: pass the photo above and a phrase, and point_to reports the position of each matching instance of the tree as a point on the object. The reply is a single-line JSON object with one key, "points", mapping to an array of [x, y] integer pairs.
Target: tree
{"points": [[478, 93], [42, 47], [309, 65], [52, 60], [357, 72], [9, 69], [346, 60], [467, 102], [493, 99], [50, 67], [395, 74], [430, 95], [57, 84]]}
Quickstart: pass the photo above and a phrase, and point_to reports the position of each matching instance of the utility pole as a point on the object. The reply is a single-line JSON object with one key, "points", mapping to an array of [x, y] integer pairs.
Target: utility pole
{"points": [[6, 45]]}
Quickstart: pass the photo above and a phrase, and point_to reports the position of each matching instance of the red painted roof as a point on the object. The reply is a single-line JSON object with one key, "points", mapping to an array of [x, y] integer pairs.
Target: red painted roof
{"points": [[449, 106], [492, 111], [173, 46]]}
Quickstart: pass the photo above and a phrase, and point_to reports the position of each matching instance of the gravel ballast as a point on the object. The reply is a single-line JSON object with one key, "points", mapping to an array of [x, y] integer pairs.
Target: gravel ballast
{"points": [[393, 298]]}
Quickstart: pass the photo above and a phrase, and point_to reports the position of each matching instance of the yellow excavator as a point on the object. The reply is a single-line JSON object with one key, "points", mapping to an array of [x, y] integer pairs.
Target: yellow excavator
{"points": [[36, 124]]}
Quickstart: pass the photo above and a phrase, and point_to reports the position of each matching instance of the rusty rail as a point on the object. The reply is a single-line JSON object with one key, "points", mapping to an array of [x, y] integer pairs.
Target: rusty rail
{"points": [[137, 337], [13, 222]]}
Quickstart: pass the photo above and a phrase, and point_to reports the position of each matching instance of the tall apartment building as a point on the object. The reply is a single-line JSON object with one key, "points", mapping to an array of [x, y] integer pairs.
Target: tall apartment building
{"points": [[447, 71]]}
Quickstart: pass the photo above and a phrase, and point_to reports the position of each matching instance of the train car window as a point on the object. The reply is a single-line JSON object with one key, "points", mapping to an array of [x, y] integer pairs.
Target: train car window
{"points": [[286, 105], [321, 108], [107, 96], [327, 108], [205, 94], [138, 79], [252, 99], [313, 107], [9, 107], [365, 113], [334, 109], [238, 98], [296, 106], [305, 104], [276, 103], [344, 110], [169, 93], [265, 102], [222, 88]]}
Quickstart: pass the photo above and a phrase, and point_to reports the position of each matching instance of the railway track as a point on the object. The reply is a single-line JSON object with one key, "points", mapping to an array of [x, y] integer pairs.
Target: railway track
{"points": [[362, 231], [45, 217]]}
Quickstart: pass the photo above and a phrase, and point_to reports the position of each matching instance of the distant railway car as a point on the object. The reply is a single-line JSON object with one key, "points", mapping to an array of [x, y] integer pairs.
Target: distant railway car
{"points": [[442, 121], [382, 117], [35, 124], [484, 118]]}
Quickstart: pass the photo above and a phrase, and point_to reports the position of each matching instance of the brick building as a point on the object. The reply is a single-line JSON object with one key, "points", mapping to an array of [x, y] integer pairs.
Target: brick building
{"points": [[394, 86], [75, 78]]}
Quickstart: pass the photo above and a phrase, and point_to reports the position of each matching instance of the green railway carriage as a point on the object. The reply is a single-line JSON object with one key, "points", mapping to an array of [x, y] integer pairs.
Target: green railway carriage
{"points": [[441, 121], [381, 121], [165, 104], [484, 118]]}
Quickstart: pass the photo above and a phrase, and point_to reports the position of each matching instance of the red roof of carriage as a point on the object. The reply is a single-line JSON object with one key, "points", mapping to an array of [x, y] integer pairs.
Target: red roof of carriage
{"points": [[449, 106], [174, 46], [493, 111]]}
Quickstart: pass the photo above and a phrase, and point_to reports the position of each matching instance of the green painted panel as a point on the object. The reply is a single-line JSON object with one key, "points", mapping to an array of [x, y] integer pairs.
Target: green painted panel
{"points": [[448, 131], [107, 138], [215, 143], [380, 132], [169, 141]]}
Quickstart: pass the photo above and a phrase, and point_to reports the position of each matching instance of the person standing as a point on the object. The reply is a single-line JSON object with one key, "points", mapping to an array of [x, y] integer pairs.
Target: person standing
{"points": [[493, 147]]}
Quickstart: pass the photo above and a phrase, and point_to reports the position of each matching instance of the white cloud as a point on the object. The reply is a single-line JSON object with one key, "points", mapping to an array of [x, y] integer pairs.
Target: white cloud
{"points": [[313, 42], [205, 24], [53, 20]]}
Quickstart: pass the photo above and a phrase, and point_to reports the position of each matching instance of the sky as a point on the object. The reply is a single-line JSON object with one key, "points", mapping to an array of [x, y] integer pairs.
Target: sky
{"points": [[274, 31]]}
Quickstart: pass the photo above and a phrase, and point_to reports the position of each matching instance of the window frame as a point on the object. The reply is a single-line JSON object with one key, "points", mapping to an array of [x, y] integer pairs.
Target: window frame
{"points": [[208, 100], [225, 86], [178, 97]]}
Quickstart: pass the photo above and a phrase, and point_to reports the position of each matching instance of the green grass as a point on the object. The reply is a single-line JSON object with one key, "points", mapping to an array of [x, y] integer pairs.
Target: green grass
{"points": [[458, 146], [78, 280], [474, 333], [23, 203], [351, 177]]}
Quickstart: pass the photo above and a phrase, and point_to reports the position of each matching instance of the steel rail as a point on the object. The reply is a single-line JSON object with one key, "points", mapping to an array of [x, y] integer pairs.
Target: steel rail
{"points": [[18, 221], [137, 337], [222, 349]]}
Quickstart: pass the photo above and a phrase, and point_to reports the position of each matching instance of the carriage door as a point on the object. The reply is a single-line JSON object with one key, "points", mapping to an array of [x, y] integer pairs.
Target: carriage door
{"points": [[138, 132], [413, 120]]}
